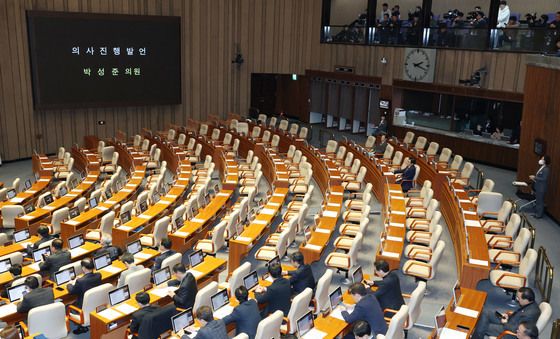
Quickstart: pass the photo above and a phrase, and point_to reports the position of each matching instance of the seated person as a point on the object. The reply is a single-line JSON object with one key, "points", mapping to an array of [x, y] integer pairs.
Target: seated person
{"points": [[44, 236], [183, 296], [143, 300], [367, 308], [128, 260], [489, 324], [80, 286], [497, 135], [36, 295], [388, 291], [302, 276], [478, 130], [246, 315], [58, 258], [382, 145], [276, 296], [527, 330], [15, 270], [165, 252], [407, 175], [361, 330], [210, 328], [107, 247]]}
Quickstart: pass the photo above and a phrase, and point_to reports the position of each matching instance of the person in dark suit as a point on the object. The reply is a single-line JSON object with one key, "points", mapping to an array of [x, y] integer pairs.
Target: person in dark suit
{"points": [[382, 128], [382, 145], [246, 315], [36, 295], [540, 185], [367, 308], [276, 295], [166, 252], [15, 270], [44, 236], [407, 175], [183, 296], [388, 291], [527, 330], [56, 260], [114, 251], [209, 328], [489, 324], [80, 286], [361, 330], [302, 276], [143, 300]]}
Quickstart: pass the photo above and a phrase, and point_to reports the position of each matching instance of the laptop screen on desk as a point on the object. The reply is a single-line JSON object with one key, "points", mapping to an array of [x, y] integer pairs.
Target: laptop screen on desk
{"points": [[21, 235], [29, 208], [134, 247], [102, 261], [38, 254], [74, 212], [64, 276], [143, 206], [182, 320], [358, 275], [63, 191], [125, 217], [11, 193], [92, 202], [196, 258], [27, 184], [5, 265], [179, 222], [335, 297], [17, 292], [251, 280], [76, 241], [119, 295], [275, 260], [49, 199], [305, 324], [162, 275], [219, 300]]}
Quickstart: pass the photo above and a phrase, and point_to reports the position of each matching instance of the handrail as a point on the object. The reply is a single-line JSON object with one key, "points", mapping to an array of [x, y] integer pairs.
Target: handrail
{"points": [[544, 275], [528, 225], [479, 178], [555, 333]]}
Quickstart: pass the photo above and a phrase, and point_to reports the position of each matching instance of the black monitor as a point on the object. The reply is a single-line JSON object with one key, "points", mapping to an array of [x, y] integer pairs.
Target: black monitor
{"points": [[124, 217], [63, 276], [75, 241], [134, 247], [155, 197], [5, 265], [29, 208], [182, 320], [219, 300], [162, 275], [62, 192], [74, 212], [108, 193], [48, 199], [15, 293], [92, 202], [251, 280], [305, 324], [143, 206], [22, 235], [335, 297], [27, 184], [358, 275], [275, 260], [102, 261], [196, 258], [119, 295], [179, 222], [38, 254], [11, 193]]}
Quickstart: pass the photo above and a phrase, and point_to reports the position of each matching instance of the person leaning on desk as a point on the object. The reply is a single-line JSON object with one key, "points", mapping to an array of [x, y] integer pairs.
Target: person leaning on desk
{"points": [[210, 328], [302, 277], [36, 295], [143, 300], [367, 308], [44, 234]]}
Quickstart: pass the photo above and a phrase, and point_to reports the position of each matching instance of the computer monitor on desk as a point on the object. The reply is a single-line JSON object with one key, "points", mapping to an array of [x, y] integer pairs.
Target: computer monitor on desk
{"points": [[22, 235], [162, 275], [119, 295], [182, 320]]}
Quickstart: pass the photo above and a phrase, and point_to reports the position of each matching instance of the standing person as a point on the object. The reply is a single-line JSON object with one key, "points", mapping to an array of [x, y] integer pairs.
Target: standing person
{"points": [[246, 315], [367, 308], [277, 295], [503, 14], [58, 258], [143, 300], [384, 11], [80, 286], [388, 291], [185, 295], [302, 276], [540, 184]]}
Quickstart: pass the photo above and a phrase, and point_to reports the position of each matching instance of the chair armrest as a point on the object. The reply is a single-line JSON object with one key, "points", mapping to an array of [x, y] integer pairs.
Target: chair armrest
{"points": [[505, 333], [389, 310], [488, 213], [506, 243], [287, 321], [417, 235], [80, 312], [419, 263], [497, 257], [512, 275], [24, 328]]}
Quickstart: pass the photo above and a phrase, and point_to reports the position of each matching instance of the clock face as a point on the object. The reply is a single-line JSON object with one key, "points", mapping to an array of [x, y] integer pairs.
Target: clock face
{"points": [[419, 64]]}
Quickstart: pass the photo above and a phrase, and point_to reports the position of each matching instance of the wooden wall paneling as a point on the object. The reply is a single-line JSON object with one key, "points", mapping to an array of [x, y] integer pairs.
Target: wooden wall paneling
{"points": [[360, 104], [346, 101]]}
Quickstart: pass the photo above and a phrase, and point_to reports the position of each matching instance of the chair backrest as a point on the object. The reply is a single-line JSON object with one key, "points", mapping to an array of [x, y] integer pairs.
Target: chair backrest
{"points": [[427, 185], [266, 136], [243, 127], [219, 236], [432, 148], [370, 142], [489, 202], [432, 209], [145, 145], [49, 320], [505, 211], [303, 133], [355, 248], [15, 257], [138, 280], [283, 125], [299, 307], [160, 229], [331, 146], [215, 134], [340, 153], [456, 163], [126, 207], [241, 336], [272, 122], [171, 261], [3, 193], [106, 224], [142, 197], [100, 146], [301, 217], [408, 137], [355, 166], [291, 151], [21, 281], [197, 150], [256, 132], [436, 256], [445, 155], [57, 217], [3, 239], [436, 235], [282, 244], [297, 156], [60, 154], [107, 153], [361, 174], [233, 124], [95, 297], [58, 188], [420, 143], [397, 158], [9, 214], [467, 170], [232, 222], [181, 139], [322, 301], [544, 318], [396, 326], [415, 304], [275, 141], [77, 267], [237, 276], [521, 243], [512, 227], [269, 327], [227, 139], [294, 129], [527, 264], [262, 118], [388, 152], [349, 159], [204, 294], [488, 185], [191, 143], [203, 129], [427, 197]]}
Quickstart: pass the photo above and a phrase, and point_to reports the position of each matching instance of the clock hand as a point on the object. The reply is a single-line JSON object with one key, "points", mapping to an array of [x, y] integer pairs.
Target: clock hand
{"points": [[417, 64], [422, 68]]}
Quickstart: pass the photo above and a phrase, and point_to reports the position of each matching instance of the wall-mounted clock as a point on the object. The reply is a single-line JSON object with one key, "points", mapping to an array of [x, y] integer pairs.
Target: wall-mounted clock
{"points": [[419, 64]]}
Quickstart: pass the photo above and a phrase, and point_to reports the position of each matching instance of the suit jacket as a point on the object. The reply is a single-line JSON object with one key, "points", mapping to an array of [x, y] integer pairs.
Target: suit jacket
{"points": [[55, 261], [407, 177], [368, 309], [186, 293], [541, 179], [216, 329], [35, 246], [139, 315], [380, 148], [88, 281], [114, 252], [246, 317], [37, 297], [302, 278], [277, 296], [389, 292], [160, 258], [529, 313], [124, 274]]}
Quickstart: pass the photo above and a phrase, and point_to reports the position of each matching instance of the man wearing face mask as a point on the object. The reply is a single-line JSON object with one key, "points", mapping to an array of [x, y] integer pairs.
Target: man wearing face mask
{"points": [[540, 180]]}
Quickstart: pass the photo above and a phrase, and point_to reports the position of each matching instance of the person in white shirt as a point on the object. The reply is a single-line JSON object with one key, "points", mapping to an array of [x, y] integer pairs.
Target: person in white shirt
{"points": [[503, 15], [384, 10]]}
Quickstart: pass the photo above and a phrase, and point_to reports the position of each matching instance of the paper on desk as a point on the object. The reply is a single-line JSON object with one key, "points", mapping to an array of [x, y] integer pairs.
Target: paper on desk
{"points": [[396, 224], [182, 234], [466, 312], [72, 222], [313, 247], [17, 200], [25, 243], [26, 217], [469, 213], [268, 211], [142, 255], [314, 334], [31, 191], [103, 208], [76, 252], [332, 204], [34, 266], [163, 291], [144, 216], [8, 309], [331, 214], [389, 254], [478, 262], [520, 183], [473, 223], [269, 279], [125, 308], [337, 313], [398, 212], [322, 230], [465, 201], [395, 191], [198, 220], [124, 228], [111, 269], [447, 333], [389, 237], [197, 274], [48, 208], [223, 312], [244, 239], [110, 314], [260, 222], [397, 197]]}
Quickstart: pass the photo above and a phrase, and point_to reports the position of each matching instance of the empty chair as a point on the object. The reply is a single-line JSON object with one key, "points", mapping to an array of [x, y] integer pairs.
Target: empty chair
{"points": [[496, 225], [243, 128], [275, 142], [414, 304], [213, 245], [236, 278], [266, 137], [510, 232], [9, 214], [93, 298], [512, 256], [105, 228], [396, 162], [138, 280], [351, 229], [204, 294], [408, 138], [299, 307], [63, 172], [425, 271], [3, 239], [301, 185], [268, 252], [444, 156], [272, 122], [107, 154], [322, 301], [345, 261], [283, 125], [356, 184], [396, 325], [195, 157], [154, 161], [303, 133], [111, 166], [420, 144], [370, 143], [421, 212], [59, 160], [489, 203], [544, 318], [426, 194], [431, 152], [418, 194], [203, 130], [293, 129], [331, 148], [388, 154], [159, 232], [465, 175], [58, 217], [487, 186], [215, 134], [49, 320], [3, 194], [171, 261], [262, 118], [269, 327], [171, 134], [433, 216], [256, 132], [511, 281], [233, 124], [423, 244]]}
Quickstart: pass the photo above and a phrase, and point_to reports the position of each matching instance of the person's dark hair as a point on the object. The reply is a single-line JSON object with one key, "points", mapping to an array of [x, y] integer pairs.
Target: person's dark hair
{"points": [[88, 264], [166, 243], [143, 298], [481, 13], [127, 258], [204, 313], [32, 282], [43, 231], [527, 293], [297, 257], [381, 265], [361, 328], [531, 329], [503, 2], [241, 294], [412, 160], [179, 268], [15, 270], [275, 270], [57, 244], [358, 288], [385, 4], [547, 159]]}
